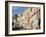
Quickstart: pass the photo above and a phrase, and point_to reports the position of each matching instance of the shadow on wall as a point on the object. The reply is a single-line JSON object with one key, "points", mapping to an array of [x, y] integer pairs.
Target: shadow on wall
{"points": [[8, 36]]}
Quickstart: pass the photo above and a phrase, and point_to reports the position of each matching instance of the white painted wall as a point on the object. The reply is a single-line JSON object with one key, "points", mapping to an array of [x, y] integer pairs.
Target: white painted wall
{"points": [[2, 19]]}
